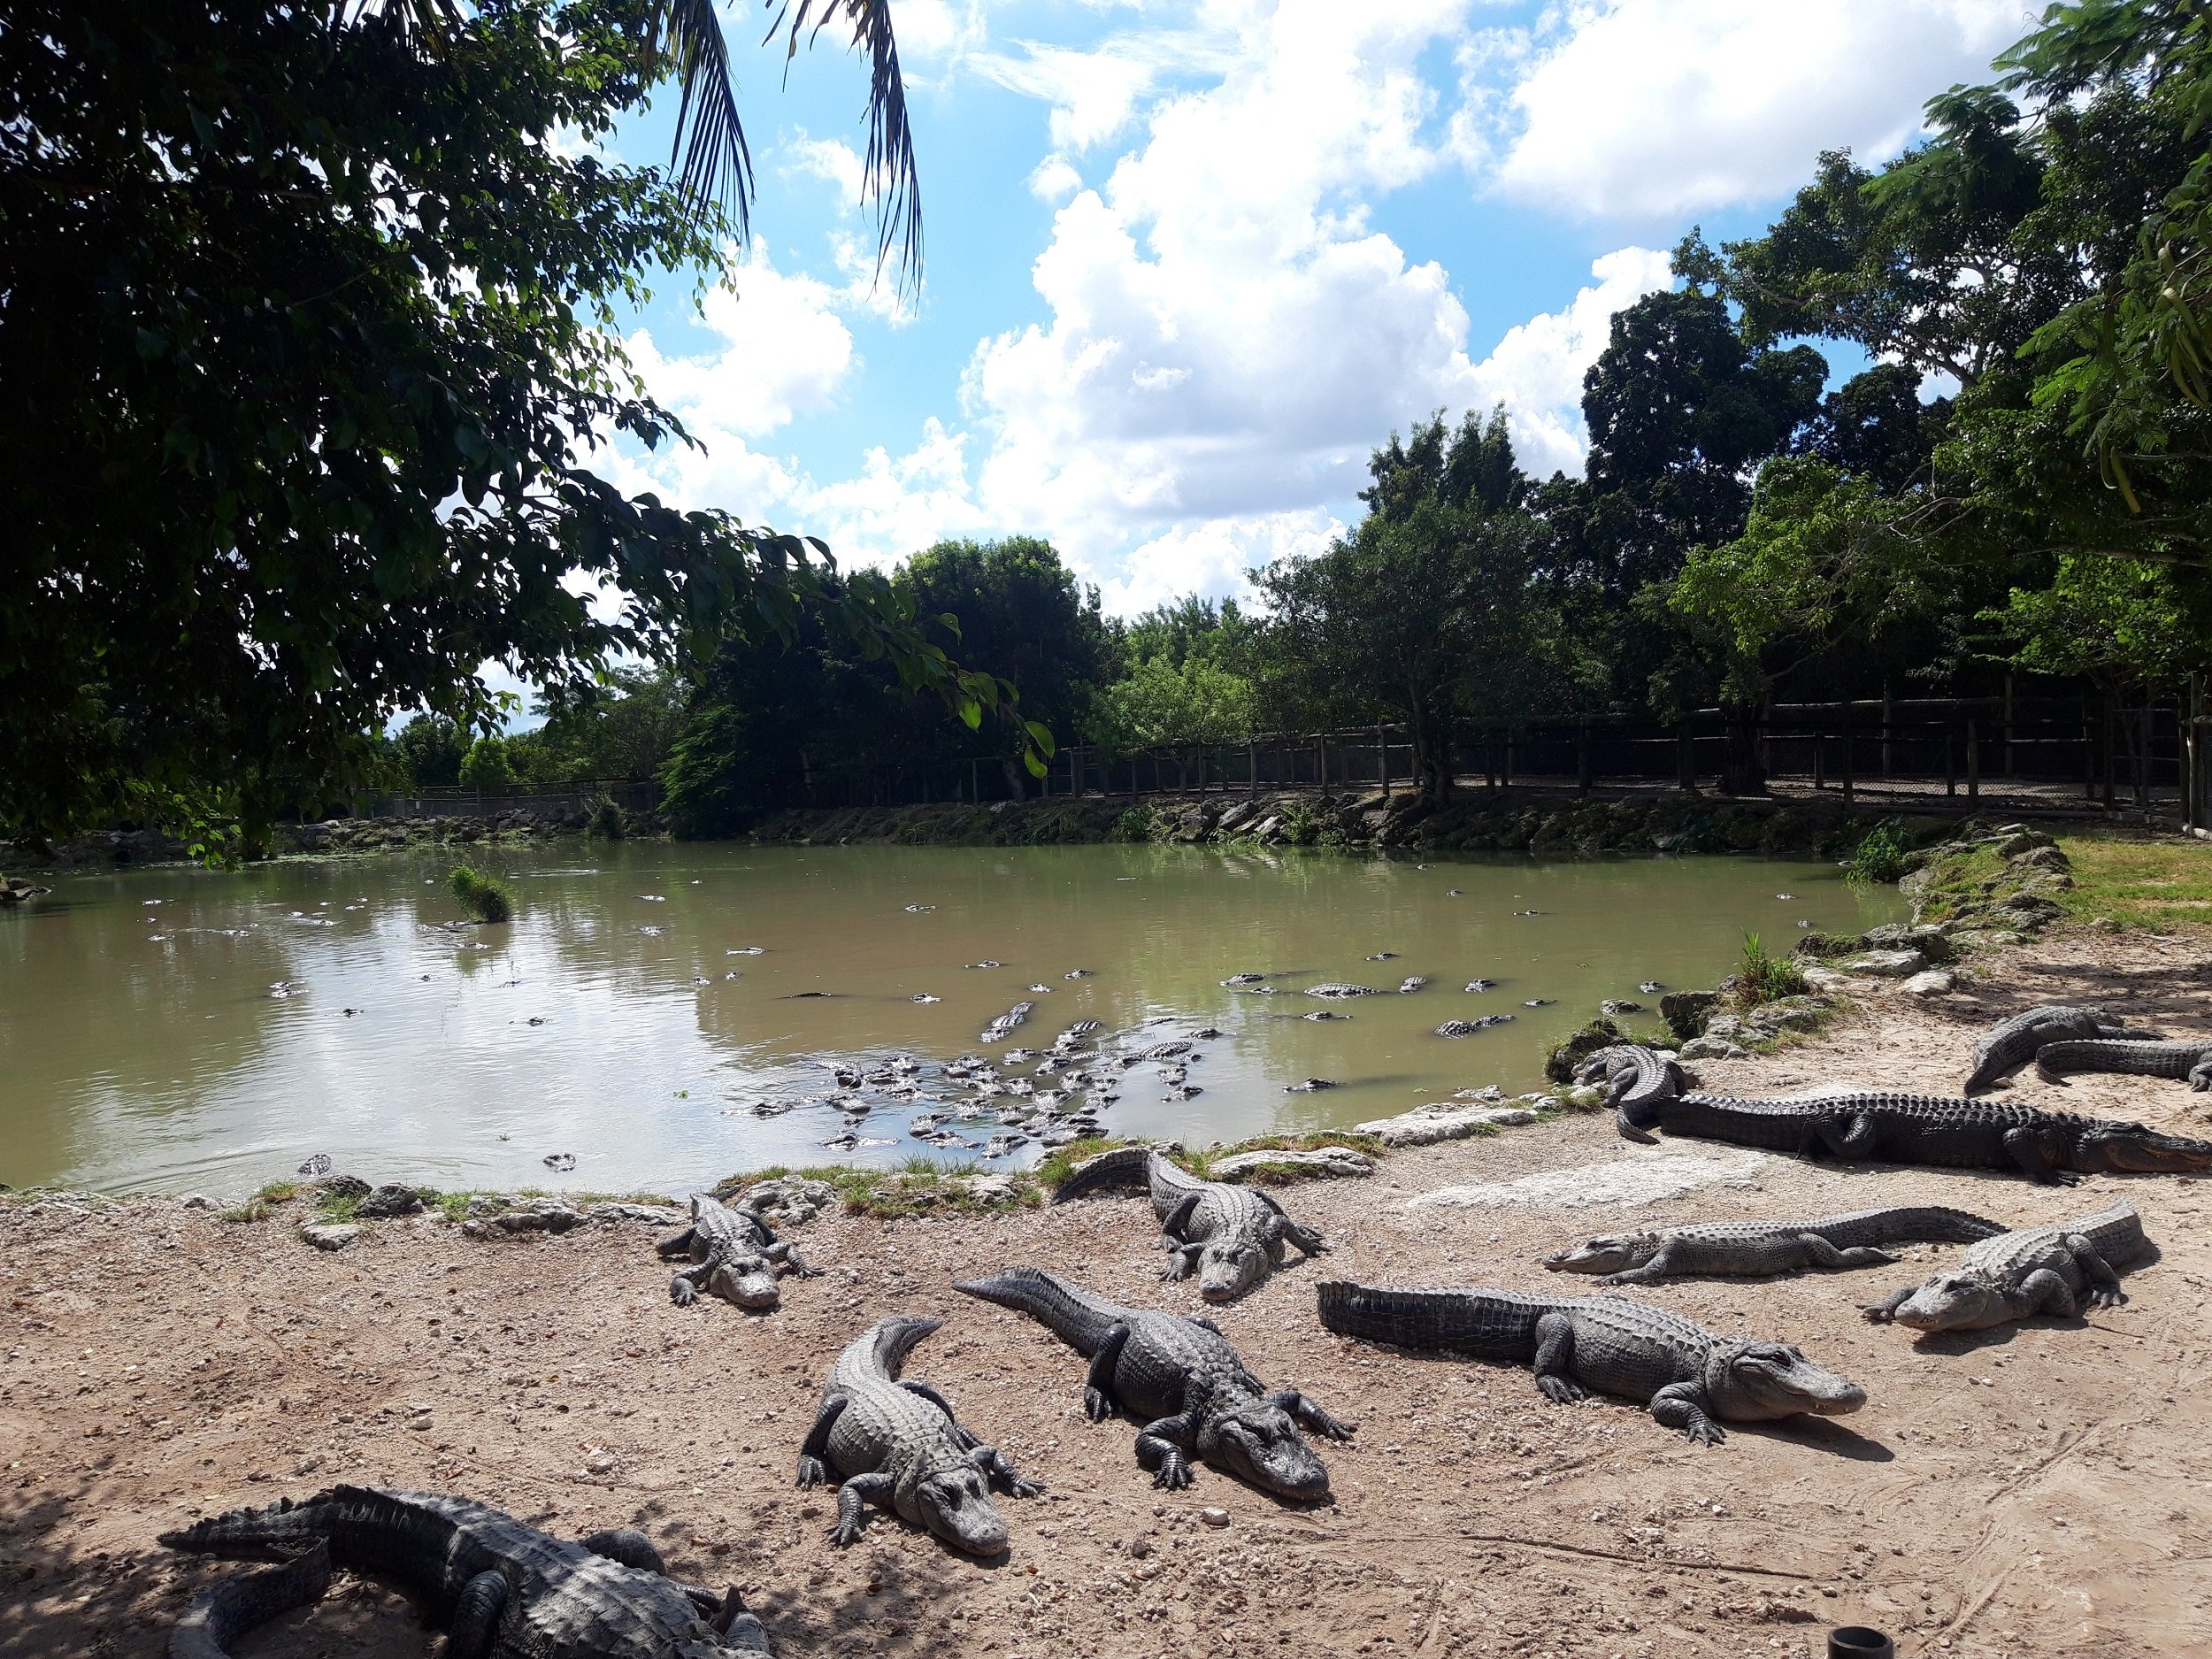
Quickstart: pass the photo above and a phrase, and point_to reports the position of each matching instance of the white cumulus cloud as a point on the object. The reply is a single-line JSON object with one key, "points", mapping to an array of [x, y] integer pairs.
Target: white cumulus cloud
{"points": [[783, 351], [1648, 109]]}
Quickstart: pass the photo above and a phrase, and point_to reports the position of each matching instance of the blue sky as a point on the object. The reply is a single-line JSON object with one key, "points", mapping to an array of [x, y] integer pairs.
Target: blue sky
{"points": [[1187, 265]]}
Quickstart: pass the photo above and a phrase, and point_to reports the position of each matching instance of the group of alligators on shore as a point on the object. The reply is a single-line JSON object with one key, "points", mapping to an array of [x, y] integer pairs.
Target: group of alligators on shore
{"points": [[506, 1590]]}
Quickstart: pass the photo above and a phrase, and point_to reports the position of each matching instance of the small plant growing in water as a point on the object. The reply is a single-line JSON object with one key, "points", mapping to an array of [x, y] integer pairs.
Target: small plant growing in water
{"points": [[1761, 978], [1879, 856], [607, 822], [487, 900]]}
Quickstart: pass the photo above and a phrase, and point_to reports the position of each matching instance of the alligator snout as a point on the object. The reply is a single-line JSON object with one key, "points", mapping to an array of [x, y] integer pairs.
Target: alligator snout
{"points": [[1779, 1380]]}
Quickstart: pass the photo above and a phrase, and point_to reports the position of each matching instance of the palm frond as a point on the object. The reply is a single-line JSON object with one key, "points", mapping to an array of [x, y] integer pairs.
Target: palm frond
{"points": [[889, 176], [711, 159]]}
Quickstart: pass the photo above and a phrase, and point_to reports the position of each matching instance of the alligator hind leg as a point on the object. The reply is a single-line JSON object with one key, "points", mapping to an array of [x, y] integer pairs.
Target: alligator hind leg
{"points": [[993, 1462], [1885, 1312], [787, 1256], [855, 1493], [1682, 1405], [1305, 1238], [2201, 1074], [1853, 1140], [1555, 1355], [1098, 1386], [1309, 1414], [813, 1471], [628, 1546], [1164, 1447], [475, 1624], [968, 1442], [1820, 1253]]}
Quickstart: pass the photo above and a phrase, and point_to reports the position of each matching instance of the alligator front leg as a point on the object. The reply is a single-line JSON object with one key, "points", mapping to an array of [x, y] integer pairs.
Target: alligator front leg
{"points": [[1176, 1223], [813, 1471], [786, 1256], [683, 1290], [860, 1490], [475, 1624], [1820, 1252], [1650, 1273], [1184, 1261], [1309, 1414], [993, 1462], [1099, 1402], [2043, 1292], [1885, 1312], [2029, 1157], [1305, 1238], [1164, 1447], [1555, 1356], [679, 1245], [968, 1443], [1682, 1405], [2104, 1285]]}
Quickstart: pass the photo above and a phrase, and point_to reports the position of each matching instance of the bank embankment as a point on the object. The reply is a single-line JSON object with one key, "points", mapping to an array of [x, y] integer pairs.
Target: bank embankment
{"points": [[2046, 1489]]}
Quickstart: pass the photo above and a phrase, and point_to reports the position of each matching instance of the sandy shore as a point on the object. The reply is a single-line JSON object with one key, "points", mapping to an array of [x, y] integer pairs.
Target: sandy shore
{"points": [[2046, 1489]]}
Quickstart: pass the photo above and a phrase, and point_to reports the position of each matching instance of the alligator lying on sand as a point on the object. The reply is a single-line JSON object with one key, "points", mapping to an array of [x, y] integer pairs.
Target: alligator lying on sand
{"points": [[504, 1590], [2018, 1275], [2056, 1149], [1183, 1377], [897, 1443], [1689, 1375], [1717, 1248], [2018, 1037], [2189, 1062], [1233, 1237], [734, 1254]]}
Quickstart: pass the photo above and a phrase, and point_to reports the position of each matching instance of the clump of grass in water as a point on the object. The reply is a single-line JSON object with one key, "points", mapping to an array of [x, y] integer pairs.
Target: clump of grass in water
{"points": [[1761, 978], [1879, 857], [488, 899]]}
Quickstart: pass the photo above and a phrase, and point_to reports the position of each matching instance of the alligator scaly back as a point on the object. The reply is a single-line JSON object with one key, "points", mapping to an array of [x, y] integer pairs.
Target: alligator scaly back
{"points": [[1121, 1167]]}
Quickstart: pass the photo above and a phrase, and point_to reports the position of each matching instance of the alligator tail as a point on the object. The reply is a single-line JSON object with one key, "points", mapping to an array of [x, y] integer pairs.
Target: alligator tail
{"points": [[893, 1340], [1124, 1166], [1487, 1324], [1936, 1224], [2117, 1231], [2126, 1058], [236, 1606], [1076, 1317], [282, 1528]]}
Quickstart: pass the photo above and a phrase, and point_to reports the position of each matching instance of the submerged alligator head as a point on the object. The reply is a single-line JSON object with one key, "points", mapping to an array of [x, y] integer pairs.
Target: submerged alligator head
{"points": [[1259, 1442], [1615, 1253], [955, 1503], [1773, 1380], [2131, 1150]]}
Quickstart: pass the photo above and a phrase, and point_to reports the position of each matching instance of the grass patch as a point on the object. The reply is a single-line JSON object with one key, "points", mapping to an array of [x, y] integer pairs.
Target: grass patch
{"points": [[337, 1207], [487, 899], [252, 1210], [2153, 885], [1761, 978], [278, 1192]]}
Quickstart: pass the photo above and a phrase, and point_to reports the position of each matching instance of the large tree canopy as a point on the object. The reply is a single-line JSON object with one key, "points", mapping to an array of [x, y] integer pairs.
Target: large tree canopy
{"points": [[304, 318]]}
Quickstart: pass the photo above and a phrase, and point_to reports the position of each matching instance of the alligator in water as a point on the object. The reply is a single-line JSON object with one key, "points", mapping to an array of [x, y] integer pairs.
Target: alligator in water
{"points": [[1753, 1247], [2018, 1037], [1182, 1377], [1233, 1237], [2189, 1062], [2018, 1275], [2056, 1149], [734, 1254], [502, 1590], [1336, 988], [1688, 1376], [896, 1442]]}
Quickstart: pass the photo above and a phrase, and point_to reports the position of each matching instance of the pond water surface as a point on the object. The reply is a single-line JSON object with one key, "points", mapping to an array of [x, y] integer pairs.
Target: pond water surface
{"points": [[652, 1011]]}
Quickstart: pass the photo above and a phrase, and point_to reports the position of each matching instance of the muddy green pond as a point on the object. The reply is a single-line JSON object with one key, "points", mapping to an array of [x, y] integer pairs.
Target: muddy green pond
{"points": [[667, 1015]]}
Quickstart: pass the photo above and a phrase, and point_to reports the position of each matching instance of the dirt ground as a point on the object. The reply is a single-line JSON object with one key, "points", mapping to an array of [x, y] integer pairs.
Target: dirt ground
{"points": [[2044, 1489]]}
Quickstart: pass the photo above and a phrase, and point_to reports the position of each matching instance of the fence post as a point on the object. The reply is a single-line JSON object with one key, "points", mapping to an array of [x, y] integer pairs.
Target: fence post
{"points": [[1950, 761], [1888, 732], [1685, 757], [1973, 760], [1850, 794], [2143, 757], [1582, 758], [2010, 772], [1505, 772], [1382, 758], [2088, 754], [1321, 760], [1251, 770]]}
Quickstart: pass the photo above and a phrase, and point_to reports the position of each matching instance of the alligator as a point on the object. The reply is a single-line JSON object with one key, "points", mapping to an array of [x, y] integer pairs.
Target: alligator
{"points": [[2182, 1062], [1336, 988], [898, 1443], [502, 1589], [1751, 1247], [2018, 1275], [1469, 1027], [1634, 1075], [1688, 1376], [1233, 1237], [734, 1254], [2018, 1037], [1182, 1377], [2056, 1149]]}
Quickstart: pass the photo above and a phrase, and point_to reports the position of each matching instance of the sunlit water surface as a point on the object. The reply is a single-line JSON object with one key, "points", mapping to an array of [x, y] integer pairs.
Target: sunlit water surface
{"points": [[173, 1030]]}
